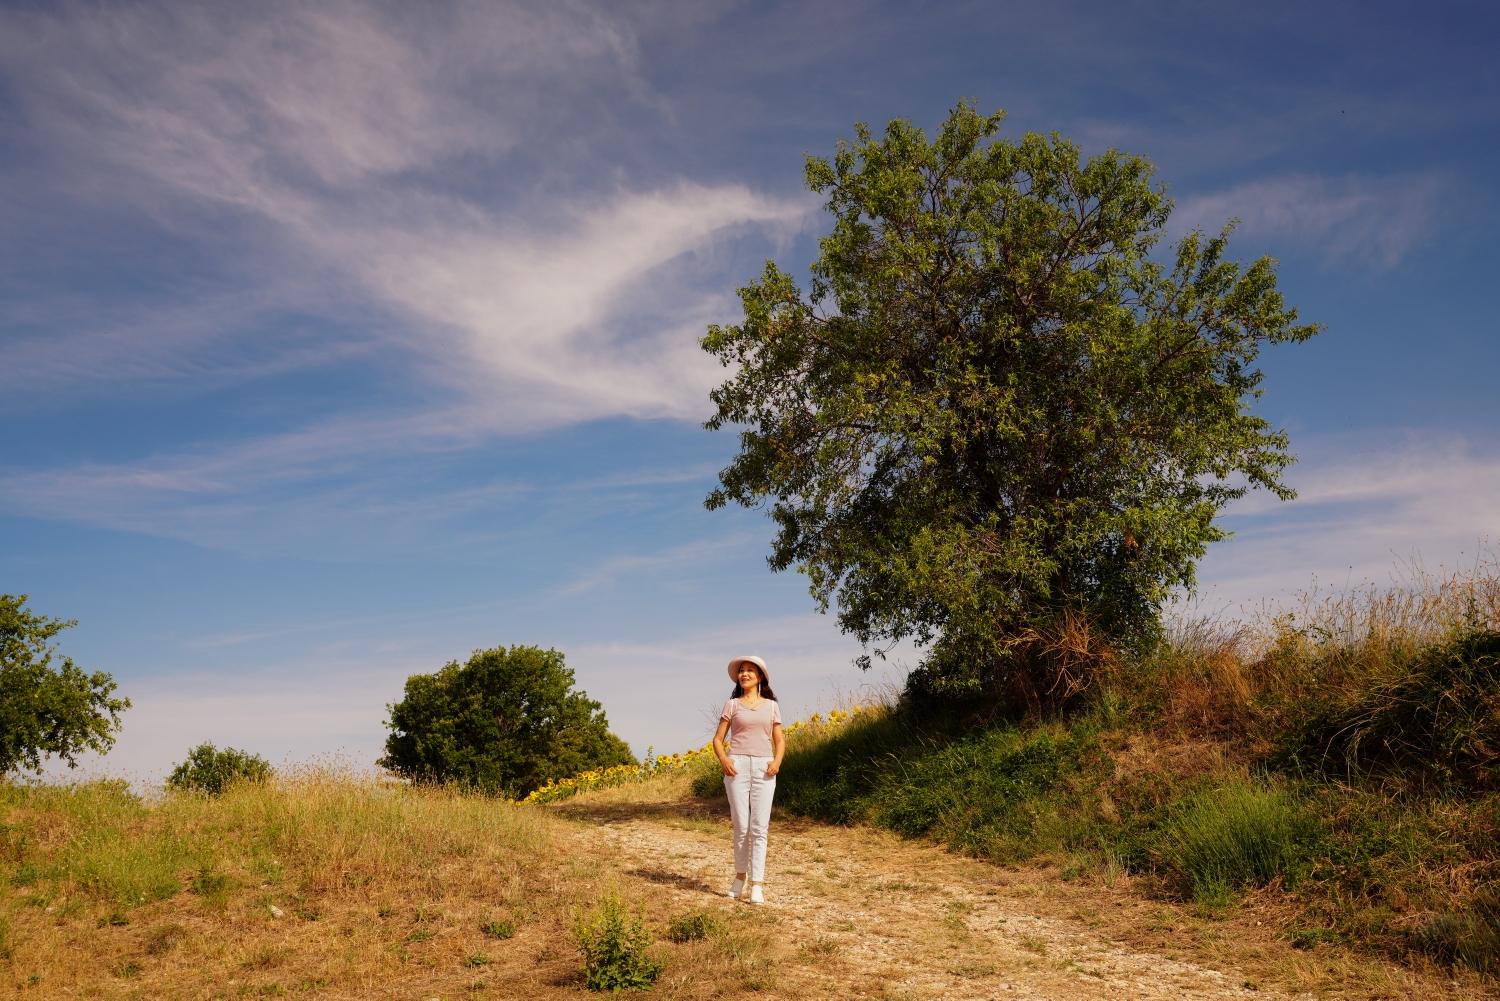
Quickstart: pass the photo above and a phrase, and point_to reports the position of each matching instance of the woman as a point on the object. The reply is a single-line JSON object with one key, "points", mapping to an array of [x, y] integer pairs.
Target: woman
{"points": [[752, 720]]}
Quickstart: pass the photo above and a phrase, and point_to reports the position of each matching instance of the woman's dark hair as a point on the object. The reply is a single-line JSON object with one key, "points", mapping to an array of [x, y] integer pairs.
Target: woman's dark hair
{"points": [[765, 689]]}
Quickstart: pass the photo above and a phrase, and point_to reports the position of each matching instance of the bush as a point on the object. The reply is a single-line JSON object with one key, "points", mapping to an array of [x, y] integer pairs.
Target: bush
{"points": [[614, 949], [507, 722], [211, 771], [1238, 835]]}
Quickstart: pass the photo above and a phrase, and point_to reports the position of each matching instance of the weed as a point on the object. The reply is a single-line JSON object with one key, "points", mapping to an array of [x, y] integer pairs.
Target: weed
{"points": [[26, 875], [1033, 943], [614, 947], [126, 970], [973, 971], [115, 918], [498, 928], [477, 959], [1309, 938], [692, 926]]}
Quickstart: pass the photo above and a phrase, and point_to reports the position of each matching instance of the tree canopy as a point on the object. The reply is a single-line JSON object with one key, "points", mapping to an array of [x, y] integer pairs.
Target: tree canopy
{"points": [[993, 410], [506, 721], [48, 710], [210, 771]]}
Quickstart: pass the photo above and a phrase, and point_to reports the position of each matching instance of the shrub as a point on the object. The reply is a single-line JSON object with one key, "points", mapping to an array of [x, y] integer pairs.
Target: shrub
{"points": [[614, 949], [1238, 835], [211, 771]]}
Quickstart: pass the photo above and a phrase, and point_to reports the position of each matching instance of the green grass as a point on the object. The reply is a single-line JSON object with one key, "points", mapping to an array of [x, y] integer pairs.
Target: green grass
{"points": [[1237, 835]]}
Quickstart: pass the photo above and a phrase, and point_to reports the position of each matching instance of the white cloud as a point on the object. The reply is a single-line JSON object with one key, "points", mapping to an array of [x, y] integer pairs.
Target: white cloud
{"points": [[1363, 506], [1372, 220], [352, 132]]}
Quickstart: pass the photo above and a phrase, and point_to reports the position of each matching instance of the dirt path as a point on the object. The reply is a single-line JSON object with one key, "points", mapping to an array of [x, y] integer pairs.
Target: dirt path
{"points": [[854, 912]]}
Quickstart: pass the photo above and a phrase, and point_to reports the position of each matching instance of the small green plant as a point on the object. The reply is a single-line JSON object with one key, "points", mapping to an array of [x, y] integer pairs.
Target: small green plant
{"points": [[692, 926], [210, 884], [477, 960], [26, 875], [498, 928], [614, 948], [1308, 938], [127, 970], [211, 771], [1238, 835]]}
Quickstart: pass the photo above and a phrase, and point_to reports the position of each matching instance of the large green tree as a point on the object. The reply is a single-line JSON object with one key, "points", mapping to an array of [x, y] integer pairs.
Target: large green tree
{"points": [[993, 410], [505, 722], [46, 709]]}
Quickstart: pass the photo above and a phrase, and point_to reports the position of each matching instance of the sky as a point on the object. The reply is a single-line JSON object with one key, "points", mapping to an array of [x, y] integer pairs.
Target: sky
{"points": [[340, 340]]}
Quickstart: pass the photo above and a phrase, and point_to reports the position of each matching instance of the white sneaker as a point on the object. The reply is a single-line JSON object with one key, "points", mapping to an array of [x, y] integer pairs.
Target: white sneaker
{"points": [[736, 888], [756, 896]]}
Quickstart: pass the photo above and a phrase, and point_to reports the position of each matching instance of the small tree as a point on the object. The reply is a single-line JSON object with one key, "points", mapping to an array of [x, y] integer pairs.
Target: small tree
{"points": [[48, 710], [994, 417], [507, 721], [210, 770]]}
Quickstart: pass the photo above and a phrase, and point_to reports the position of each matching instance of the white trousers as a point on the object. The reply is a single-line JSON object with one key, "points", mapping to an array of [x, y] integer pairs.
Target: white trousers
{"points": [[750, 794]]}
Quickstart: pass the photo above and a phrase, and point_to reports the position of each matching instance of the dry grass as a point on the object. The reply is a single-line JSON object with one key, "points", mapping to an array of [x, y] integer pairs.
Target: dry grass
{"points": [[323, 882]]}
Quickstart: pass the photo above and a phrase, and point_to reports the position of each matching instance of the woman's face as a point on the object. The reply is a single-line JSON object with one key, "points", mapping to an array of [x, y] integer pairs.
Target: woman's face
{"points": [[749, 677]]}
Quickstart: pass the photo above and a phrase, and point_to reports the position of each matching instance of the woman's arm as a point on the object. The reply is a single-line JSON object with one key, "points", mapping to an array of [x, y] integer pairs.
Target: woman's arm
{"points": [[778, 745], [724, 762]]}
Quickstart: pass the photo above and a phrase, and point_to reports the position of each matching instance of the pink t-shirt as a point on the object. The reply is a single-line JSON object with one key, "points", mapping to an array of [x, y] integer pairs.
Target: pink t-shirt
{"points": [[750, 729]]}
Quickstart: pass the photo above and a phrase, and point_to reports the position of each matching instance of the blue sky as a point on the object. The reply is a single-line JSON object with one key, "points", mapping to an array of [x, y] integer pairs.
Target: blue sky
{"points": [[339, 340]]}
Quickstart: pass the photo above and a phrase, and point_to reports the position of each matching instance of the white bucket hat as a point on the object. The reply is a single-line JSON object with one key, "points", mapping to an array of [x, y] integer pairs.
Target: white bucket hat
{"points": [[734, 668]]}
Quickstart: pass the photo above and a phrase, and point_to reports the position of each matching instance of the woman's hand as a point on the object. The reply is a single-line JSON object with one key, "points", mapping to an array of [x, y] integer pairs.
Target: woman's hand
{"points": [[772, 769], [728, 767]]}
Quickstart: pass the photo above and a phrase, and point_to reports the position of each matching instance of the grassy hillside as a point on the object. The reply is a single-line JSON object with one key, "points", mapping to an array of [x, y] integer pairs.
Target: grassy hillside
{"points": [[1343, 753], [318, 880]]}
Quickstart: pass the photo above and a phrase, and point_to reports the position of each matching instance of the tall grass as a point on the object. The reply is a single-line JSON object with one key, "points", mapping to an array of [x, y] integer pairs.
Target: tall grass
{"points": [[1236, 835], [304, 846]]}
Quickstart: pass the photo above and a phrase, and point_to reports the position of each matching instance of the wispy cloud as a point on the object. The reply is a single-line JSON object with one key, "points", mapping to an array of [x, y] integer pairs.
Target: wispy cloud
{"points": [[556, 291], [1368, 220], [1362, 506]]}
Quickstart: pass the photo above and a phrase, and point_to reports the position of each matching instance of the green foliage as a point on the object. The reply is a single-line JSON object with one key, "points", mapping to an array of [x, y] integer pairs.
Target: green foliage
{"points": [[211, 771], [1430, 717], [993, 407], [506, 722], [692, 926], [614, 946], [48, 710], [498, 928], [1238, 835]]}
